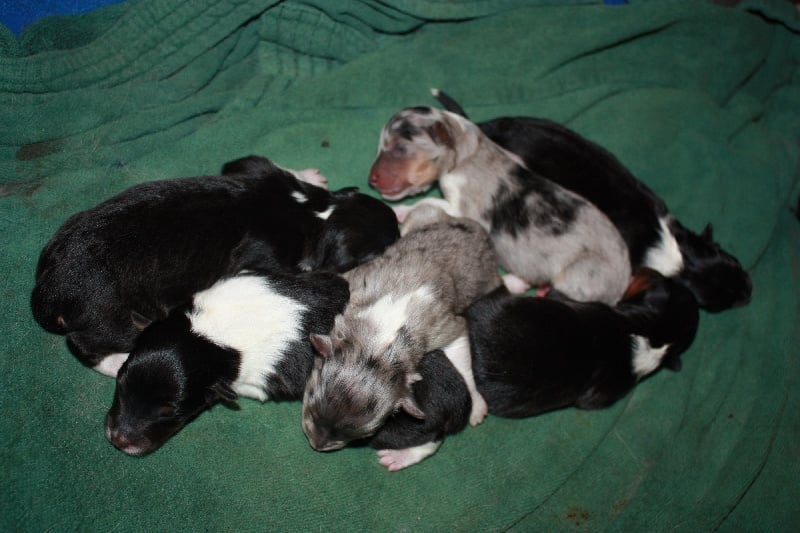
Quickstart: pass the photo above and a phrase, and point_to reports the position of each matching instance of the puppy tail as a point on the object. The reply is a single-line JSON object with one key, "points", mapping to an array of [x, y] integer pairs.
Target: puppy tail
{"points": [[448, 102]]}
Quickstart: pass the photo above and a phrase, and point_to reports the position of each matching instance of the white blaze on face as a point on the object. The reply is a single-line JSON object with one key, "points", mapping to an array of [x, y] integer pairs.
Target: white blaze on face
{"points": [[245, 314], [391, 312]]}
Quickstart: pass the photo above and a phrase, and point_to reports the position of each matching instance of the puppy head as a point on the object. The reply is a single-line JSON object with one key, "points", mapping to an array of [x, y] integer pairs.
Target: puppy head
{"points": [[345, 241], [169, 378], [352, 391], [715, 277], [663, 310], [417, 146]]}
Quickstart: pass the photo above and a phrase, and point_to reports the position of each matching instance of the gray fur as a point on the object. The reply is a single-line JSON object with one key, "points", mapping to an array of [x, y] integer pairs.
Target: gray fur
{"points": [[542, 232], [403, 304]]}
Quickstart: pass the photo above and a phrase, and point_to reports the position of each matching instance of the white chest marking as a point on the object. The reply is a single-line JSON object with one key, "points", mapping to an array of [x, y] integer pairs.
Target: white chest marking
{"points": [[452, 186], [245, 314], [390, 313], [665, 257], [646, 359]]}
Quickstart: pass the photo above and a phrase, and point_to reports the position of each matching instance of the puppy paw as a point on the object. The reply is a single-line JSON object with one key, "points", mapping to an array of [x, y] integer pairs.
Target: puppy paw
{"points": [[395, 460], [515, 284], [312, 176], [479, 410]]}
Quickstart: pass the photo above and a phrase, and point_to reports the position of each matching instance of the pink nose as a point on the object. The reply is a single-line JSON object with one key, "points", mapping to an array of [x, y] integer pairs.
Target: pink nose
{"points": [[118, 439]]}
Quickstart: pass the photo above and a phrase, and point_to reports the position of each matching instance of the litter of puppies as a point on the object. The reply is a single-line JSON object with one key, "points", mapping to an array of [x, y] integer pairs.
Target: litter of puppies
{"points": [[393, 326]]}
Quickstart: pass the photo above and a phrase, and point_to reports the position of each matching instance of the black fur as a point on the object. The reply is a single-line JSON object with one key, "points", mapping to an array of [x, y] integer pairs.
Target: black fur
{"points": [[173, 374], [561, 155], [443, 397], [111, 269], [532, 355]]}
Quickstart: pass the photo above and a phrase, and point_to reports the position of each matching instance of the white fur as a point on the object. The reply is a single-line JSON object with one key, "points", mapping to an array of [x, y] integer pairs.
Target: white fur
{"points": [[458, 352], [299, 197], [390, 313], [451, 185], [111, 364], [646, 359], [666, 256], [243, 313], [395, 460], [324, 214]]}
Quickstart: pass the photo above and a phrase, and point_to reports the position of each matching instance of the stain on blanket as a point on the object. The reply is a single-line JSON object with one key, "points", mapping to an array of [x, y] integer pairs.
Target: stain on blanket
{"points": [[20, 188], [29, 152]]}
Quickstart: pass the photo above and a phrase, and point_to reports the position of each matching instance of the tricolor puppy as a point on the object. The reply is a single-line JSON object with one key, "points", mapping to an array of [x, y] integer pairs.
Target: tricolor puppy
{"points": [[532, 355], [112, 269], [655, 238], [543, 233], [403, 304], [247, 335]]}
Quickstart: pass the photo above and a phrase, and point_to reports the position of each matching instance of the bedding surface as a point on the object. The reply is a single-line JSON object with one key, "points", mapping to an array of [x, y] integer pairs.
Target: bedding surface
{"points": [[701, 101]]}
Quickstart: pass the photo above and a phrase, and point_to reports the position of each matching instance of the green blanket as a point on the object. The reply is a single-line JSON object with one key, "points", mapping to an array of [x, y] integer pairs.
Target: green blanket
{"points": [[702, 102]]}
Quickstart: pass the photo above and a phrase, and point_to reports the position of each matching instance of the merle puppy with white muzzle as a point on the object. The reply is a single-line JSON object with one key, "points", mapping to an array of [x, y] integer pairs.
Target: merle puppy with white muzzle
{"points": [[542, 232], [654, 236], [111, 270]]}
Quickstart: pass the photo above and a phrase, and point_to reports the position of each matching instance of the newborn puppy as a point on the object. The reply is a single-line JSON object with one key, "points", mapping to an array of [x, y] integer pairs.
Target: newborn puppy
{"points": [[111, 270], [543, 233], [247, 335], [532, 355], [444, 398], [655, 238], [403, 304]]}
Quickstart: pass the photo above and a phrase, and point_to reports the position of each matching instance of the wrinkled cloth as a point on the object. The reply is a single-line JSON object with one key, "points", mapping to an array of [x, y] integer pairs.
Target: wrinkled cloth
{"points": [[701, 101]]}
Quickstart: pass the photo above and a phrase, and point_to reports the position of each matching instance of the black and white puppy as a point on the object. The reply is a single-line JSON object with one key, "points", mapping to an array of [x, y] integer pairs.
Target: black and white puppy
{"points": [[532, 355], [542, 232], [111, 270], [655, 238], [247, 335], [443, 396]]}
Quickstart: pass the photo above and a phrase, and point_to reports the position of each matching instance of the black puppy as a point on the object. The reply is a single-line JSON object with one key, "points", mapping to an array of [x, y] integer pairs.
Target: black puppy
{"points": [[442, 394], [532, 355], [111, 270], [247, 335], [655, 238]]}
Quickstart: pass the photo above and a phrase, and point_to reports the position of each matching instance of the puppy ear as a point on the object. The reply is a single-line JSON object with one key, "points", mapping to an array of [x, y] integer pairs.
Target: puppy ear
{"points": [[322, 344], [140, 321], [409, 405], [224, 392], [707, 233], [441, 134]]}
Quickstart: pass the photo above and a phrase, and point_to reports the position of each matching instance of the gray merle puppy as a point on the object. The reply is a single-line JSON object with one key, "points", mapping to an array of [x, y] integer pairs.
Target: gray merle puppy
{"points": [[403, 304], [544, 234]]}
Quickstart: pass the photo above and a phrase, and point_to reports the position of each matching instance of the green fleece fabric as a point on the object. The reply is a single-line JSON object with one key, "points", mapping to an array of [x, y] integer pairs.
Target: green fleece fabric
{"points": [[702, 102]]}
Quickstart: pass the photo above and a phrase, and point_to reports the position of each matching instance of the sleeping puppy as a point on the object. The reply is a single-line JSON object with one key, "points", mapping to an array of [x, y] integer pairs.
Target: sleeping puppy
{"points": [[442, 395], [110, 270], [543, 233], [655, 238], [247, 335], [532, 355], [403, 304]]}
